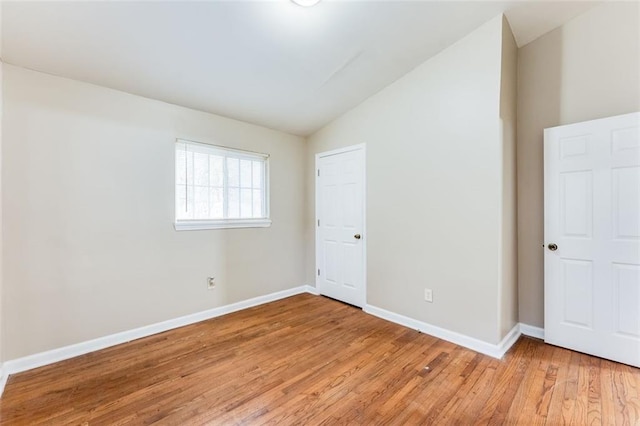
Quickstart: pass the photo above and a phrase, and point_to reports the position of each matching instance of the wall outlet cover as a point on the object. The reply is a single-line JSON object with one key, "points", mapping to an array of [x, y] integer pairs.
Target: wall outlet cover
{"points": [[428, 295]]}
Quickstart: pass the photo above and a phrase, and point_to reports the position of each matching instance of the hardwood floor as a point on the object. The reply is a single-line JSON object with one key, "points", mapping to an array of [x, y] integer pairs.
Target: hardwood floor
{"points": [[312, 360]]}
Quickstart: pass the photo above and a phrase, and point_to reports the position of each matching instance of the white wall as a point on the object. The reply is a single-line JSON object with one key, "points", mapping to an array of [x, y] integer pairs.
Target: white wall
{"points": [[508, 291], [434, 195], [1, 273], [88, 177], [588, 68]]}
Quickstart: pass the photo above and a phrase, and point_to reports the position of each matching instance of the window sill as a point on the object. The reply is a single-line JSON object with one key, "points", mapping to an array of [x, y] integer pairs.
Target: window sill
{"points": [[196, 225]]}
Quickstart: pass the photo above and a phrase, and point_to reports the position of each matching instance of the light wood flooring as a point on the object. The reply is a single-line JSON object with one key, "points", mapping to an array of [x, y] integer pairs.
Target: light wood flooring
{"points": [[311, 360]]}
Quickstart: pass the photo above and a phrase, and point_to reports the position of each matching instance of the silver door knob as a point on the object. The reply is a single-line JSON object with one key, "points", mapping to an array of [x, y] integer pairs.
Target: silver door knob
{"points": [[357, 236], [553, 247]]}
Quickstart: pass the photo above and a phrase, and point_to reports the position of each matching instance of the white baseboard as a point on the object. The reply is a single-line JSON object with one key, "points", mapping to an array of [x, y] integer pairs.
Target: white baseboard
{"points": [[311, 289], [3, 378], [509, 340], [49, 357], [55, 355], [493, 350], [531, 331]]}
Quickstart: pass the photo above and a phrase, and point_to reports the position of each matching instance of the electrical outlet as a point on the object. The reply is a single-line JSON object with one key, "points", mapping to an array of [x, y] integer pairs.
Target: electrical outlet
{"points": [[428, 295], [211, 283]]}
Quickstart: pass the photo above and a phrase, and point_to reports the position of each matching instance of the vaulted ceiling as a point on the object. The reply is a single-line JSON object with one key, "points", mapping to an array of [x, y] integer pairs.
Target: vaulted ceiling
{"points": [[271, 63]]}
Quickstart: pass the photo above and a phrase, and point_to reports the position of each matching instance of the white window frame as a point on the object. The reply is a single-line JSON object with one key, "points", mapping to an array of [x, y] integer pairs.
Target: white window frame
{"points": [[203, 224]]}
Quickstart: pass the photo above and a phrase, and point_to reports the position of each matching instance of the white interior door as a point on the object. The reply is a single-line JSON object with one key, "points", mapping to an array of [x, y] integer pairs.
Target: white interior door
{"points": [[592, 237], [340, 221]]}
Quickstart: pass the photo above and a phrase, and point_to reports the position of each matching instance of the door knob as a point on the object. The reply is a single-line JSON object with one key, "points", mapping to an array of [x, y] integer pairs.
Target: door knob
{"points": [[357, 236], [553, 247]]}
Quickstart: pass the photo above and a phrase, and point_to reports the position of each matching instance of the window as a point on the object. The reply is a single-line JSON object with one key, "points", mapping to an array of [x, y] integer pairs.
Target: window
{"points": [[219, 187]]}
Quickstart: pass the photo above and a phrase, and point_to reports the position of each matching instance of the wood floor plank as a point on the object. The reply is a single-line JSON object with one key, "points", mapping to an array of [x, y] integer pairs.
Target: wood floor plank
{"points": [[560, 361], [380, 386], [534, 387], [594, 404], [581, 407], [625, 395], [453, 407], [428, 409], [312, 360], [506, 387], [571, 388]]}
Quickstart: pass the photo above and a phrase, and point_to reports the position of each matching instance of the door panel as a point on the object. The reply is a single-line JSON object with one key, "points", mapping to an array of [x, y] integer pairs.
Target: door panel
{"points": [[577, 280], [592, 214], [626, 285], [626, 141], [577, 204], [575, 147], [626, 195], [340, 217]]}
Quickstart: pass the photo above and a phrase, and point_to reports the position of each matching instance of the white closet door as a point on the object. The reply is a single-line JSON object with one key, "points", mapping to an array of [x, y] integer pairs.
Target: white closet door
{"points": [[592, 237], [340, 238]]}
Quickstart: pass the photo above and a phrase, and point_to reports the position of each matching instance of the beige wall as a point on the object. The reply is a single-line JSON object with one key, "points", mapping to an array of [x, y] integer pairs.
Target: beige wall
{"points": [[588, 68], [433, 187], [508, 292], [87, 190], [88, 214], [1, 126]]}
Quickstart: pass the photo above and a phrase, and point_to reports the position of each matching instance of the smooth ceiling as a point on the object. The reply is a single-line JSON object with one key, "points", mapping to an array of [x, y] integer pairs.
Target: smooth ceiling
{"points": [[271, 63]]}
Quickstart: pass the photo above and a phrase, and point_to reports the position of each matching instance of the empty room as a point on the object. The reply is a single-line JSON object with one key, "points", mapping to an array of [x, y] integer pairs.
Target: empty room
{"points": [[308, 212]]}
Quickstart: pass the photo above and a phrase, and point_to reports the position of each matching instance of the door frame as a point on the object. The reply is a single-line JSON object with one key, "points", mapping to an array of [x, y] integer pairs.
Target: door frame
{"points": [[359, 147]]}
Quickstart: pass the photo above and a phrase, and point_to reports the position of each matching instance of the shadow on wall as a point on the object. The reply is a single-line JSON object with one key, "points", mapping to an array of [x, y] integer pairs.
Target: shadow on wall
{"points": [[539, 107]]}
